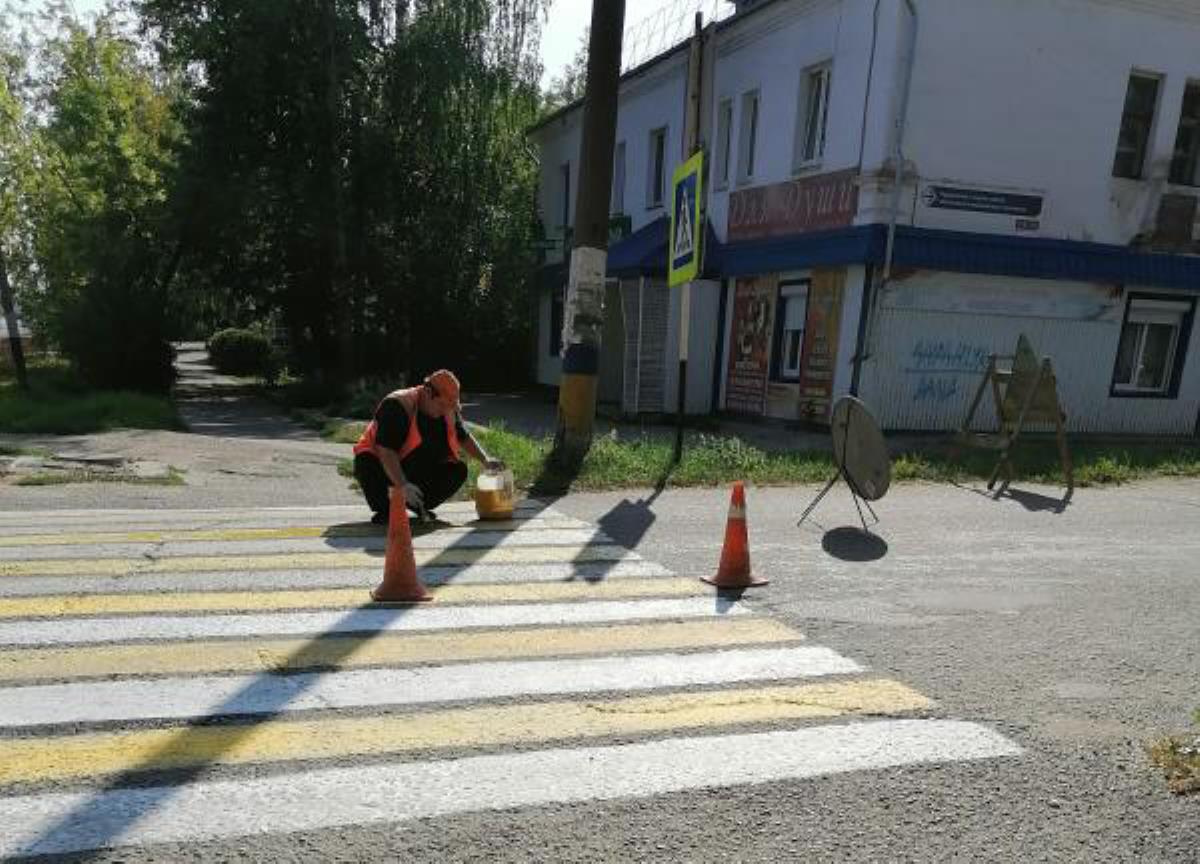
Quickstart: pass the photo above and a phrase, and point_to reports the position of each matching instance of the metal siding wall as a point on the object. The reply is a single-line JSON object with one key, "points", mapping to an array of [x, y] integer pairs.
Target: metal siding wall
{"points": [[928, 363], [656, 309], [631, 301]]}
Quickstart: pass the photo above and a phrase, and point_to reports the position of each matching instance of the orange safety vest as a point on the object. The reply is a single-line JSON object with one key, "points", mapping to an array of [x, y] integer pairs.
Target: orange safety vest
{"points": [[409, 399]]}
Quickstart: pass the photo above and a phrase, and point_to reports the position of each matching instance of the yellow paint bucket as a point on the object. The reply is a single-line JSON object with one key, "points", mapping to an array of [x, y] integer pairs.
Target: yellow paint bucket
{"points": [[495, 494]]}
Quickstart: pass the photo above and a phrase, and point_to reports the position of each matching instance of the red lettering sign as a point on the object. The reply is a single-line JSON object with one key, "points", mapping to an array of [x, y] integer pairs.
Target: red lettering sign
{"points": [[818, 203]]}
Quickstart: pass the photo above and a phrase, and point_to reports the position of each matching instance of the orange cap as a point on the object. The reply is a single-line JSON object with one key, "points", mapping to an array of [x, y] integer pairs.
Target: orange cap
{"points": [[445, 384]]}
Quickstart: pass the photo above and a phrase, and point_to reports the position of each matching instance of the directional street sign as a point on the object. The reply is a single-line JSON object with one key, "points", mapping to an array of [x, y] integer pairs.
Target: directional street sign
{"points": [[687, 230]]}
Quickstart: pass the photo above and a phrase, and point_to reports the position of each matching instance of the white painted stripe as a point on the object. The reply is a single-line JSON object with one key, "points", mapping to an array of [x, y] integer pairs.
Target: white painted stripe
{"points": [[547, 536], [365, 620], [466, 574], [58, 823], [203, 696]]}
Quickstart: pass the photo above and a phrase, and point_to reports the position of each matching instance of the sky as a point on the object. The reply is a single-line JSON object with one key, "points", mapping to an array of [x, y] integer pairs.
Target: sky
{"points": [[568, 19], [565, 24]]}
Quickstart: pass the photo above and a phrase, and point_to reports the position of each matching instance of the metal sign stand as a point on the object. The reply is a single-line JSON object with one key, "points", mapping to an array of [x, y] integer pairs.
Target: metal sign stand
{"points": [[857, 439], [854, 494]]}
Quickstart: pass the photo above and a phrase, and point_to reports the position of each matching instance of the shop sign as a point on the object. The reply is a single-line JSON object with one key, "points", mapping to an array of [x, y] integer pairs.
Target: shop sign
{"points": [[983, 201], [819, 203], [750, 344]]}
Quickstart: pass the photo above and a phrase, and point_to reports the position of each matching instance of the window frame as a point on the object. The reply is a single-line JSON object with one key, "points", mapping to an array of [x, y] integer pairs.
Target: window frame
{"points": [[751, 105], [790, 285], [1145, 145], [1185, 307], [1180, 159], [801, 159], [617, 195], [564, 177], [724, 141], [656, 164]]}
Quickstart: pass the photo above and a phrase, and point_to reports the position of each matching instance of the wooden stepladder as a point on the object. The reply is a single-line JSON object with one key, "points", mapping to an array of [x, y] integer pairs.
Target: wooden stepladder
{"points": [[1026, 394]]}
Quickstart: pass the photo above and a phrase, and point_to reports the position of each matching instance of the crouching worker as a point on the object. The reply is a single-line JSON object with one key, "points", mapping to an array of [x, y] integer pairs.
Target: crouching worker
{"points": [[415, 443]]}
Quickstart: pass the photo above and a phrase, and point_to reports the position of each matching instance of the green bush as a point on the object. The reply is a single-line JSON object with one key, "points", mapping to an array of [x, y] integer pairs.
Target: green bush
{"points": [[241, 352], [115, 335]]}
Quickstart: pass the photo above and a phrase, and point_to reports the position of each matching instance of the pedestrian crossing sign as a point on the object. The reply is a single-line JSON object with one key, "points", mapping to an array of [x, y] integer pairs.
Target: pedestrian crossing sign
{"points": [[685, 242]]}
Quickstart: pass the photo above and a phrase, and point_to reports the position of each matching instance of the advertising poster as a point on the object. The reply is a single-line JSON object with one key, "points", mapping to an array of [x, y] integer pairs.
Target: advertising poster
{"points": [[750, 344], [819, 354]]}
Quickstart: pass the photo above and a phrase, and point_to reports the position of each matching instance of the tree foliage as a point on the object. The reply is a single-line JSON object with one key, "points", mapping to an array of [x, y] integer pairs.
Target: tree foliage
{"points": [[570, 84], [359, 172], [353, 173], [98, 161]]}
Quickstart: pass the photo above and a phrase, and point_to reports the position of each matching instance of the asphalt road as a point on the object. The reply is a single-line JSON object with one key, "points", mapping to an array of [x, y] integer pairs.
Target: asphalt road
{"points": [[1074, 632]]}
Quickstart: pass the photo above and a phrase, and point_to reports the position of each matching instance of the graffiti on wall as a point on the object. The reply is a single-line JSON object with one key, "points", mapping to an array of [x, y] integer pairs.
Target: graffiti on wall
{"points": [[937, 389], [947, 356], [940, 365]]}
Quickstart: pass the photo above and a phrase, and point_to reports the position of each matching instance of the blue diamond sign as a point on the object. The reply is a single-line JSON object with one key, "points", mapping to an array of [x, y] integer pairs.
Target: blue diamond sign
{"points": [[685, 241]]}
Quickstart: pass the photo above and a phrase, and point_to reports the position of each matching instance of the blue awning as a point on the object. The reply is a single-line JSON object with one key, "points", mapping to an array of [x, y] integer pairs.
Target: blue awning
{"points": [[964, 252], [1041, 258], [644, 252], [842, 246]]}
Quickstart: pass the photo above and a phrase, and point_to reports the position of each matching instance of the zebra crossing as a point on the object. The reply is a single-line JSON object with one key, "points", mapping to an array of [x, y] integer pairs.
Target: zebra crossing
{"points": [[178, 676]]}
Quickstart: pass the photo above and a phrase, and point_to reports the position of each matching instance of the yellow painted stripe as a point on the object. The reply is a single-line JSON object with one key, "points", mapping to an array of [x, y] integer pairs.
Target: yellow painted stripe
{"points": [[77, 538], [55, 758], [311, 561], [68, 538], [348, 652], [338, 598]]}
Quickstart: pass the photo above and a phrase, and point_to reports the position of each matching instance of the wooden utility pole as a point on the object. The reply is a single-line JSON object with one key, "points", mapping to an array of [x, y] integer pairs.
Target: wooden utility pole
{"points": [[583, 311]]}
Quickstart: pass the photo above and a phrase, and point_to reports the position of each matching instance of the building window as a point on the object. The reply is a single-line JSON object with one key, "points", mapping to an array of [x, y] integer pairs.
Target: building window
{"points": [[1137, 122], [724, 136], [557, 298], [1185, 167], [1153, 341], [565, 185], [656, 168], [813, 115], [748, 137], [618, 187], [793, 311]]}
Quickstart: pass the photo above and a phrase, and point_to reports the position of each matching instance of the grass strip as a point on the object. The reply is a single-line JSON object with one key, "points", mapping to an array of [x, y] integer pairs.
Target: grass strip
{"points": [[58, 404], [1179, 758], [714, 460], [173, 477]]}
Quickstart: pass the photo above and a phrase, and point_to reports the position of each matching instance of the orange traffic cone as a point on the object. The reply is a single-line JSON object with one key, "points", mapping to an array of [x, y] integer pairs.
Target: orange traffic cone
{"points": [[400, 583], [734, 571]]}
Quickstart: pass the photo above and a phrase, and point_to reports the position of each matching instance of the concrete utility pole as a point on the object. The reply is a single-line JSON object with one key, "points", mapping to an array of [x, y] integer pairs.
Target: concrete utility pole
{"points": [[583, 311], [691, 145]]}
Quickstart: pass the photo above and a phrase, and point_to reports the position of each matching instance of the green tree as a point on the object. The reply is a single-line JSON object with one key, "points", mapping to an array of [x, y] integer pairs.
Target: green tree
{"points": [[359, 171], [15, 170], [569, 85], [105, 245]]}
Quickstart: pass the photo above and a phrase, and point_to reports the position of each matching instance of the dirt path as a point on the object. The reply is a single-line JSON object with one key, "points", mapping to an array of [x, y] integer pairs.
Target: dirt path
{"points": [[237, 448]]}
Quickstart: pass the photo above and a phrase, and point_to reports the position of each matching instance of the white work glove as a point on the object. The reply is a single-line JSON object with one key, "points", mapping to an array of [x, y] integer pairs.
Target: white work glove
{"points": [[414, 497]]}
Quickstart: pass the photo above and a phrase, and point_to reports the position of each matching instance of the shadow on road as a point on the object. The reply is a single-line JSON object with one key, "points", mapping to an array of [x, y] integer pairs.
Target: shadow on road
{"points": [[848, 543], [1031, 501], [103, 825]]}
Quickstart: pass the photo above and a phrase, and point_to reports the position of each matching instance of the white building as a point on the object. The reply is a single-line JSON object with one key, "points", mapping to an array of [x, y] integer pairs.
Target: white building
{"points": [[1049, 171]]}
